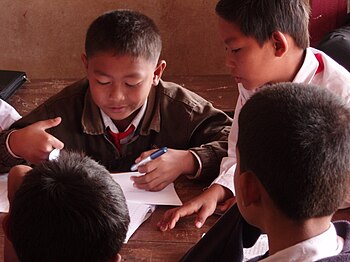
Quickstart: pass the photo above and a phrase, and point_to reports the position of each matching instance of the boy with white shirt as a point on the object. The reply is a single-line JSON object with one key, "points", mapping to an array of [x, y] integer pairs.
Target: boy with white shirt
{"points": [[122, 111], [293, 166], [8, 115], [263, 47]]}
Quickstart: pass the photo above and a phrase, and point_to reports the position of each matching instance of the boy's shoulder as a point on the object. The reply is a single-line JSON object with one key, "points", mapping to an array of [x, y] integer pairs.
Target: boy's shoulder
{"points": [[76, 90], [67, 102], [320, 69], [180, 95]]}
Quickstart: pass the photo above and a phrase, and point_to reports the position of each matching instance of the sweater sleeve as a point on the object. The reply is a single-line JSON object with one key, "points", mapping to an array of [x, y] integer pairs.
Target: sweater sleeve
{"points": [[209, 140]]}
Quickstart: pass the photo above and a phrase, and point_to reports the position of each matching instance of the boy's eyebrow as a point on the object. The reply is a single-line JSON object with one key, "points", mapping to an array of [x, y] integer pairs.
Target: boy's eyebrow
{"points": [[229, 40], [101, 73], [132, 75]]}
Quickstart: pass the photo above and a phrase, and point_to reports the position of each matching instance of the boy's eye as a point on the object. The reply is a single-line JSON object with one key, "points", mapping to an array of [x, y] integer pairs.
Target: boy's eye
{"points": [[132, 84], [103, 83], [232, 50], [235, 50]]}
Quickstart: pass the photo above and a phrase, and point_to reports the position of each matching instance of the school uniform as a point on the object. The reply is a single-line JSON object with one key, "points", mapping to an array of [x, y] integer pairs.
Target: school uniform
{"points": [[174, 117], [8, 115], [318, 69], [332, 245], [231, 233]]}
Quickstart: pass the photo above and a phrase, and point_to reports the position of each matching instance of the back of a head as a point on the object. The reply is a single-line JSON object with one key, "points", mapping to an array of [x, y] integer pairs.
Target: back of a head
{"points": [[124, 32], [296, 139], [260, 18], [69, 209]]}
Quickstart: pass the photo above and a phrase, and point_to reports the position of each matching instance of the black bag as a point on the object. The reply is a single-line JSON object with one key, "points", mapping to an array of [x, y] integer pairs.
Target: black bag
{"points": [[336, 44], [10, 81]]}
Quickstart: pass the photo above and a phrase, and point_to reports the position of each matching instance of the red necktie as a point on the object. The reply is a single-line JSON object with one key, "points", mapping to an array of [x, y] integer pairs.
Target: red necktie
{"points": [[116, 138]]}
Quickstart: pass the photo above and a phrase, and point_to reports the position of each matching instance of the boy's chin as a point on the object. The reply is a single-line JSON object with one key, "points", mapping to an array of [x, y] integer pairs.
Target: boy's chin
{"points": [[251, 86]]}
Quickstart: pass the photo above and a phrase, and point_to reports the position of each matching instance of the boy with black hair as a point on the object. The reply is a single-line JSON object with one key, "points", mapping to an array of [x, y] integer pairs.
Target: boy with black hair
{"points": [[69, 209], [266, 42], [122, 111], [293, 166]]}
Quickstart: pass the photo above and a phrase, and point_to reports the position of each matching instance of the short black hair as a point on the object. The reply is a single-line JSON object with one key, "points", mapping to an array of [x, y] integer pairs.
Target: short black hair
{"points": [[68, 209], [124, 32], [260, 18], [296, 139]]}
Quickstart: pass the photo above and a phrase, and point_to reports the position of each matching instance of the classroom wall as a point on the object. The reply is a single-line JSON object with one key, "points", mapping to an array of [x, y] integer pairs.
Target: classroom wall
{"points": [[46, 38]]}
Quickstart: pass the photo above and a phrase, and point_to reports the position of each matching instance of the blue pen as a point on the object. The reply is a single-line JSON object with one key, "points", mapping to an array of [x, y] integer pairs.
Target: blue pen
{"points": [[154, 155]]}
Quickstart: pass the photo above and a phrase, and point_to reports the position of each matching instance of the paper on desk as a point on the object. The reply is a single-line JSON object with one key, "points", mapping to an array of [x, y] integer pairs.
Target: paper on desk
{"points": [[4, 203], [140, 203], [167, 196], [138, 214]]}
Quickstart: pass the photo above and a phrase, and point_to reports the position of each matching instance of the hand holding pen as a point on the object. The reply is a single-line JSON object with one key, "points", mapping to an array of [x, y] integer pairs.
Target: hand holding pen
{"points": [[146, 160], [163, 170]]}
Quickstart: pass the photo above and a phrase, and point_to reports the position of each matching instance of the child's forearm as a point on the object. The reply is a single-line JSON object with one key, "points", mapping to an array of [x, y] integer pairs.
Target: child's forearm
{"points": [[220, 192]]}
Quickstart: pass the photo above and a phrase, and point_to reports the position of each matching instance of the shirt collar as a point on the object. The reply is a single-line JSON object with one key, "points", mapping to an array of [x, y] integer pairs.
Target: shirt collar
{"points": [[108, 122], [324, 245], [308, 69]]}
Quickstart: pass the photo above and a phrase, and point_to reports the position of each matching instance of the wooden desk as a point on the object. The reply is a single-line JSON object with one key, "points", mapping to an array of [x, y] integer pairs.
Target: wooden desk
{"points": [[148, 243], [220, 90]]}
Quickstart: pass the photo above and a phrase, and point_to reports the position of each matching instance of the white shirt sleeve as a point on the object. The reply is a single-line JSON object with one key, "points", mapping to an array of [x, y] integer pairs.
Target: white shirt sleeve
{"points": [[8, 115], [228, 164]]}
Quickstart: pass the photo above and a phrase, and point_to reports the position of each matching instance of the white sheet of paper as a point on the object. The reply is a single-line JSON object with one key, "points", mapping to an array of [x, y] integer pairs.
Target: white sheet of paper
{"points": [[4, 203], [167, 196], [138, 213], [140, 203]]}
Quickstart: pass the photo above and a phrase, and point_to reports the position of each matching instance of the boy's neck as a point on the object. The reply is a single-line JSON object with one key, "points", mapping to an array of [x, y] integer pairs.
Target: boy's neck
{"points": [[124, 123], [292, 64], [284, 233]]}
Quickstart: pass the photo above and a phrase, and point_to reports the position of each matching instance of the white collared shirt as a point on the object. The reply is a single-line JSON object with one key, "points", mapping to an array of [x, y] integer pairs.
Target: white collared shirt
{"points": [[324, 245], [8, 115], [108, 122], [334, 77]]}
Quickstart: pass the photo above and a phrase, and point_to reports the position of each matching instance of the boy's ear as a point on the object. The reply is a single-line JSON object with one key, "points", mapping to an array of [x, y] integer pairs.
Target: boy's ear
{"points": [[250, 190], [158, 72], [280, 43], [85, 60], [117, 258]]}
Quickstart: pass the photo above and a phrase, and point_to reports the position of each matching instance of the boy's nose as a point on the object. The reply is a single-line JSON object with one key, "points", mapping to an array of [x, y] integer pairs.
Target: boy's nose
{"points": [[117, 93], [229, 62]]}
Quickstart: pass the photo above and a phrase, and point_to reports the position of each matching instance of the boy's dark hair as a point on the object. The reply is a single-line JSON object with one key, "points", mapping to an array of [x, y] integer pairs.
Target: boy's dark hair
{"points": [[260, 18], [296, 139], [124, 32], [68, 209]]}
